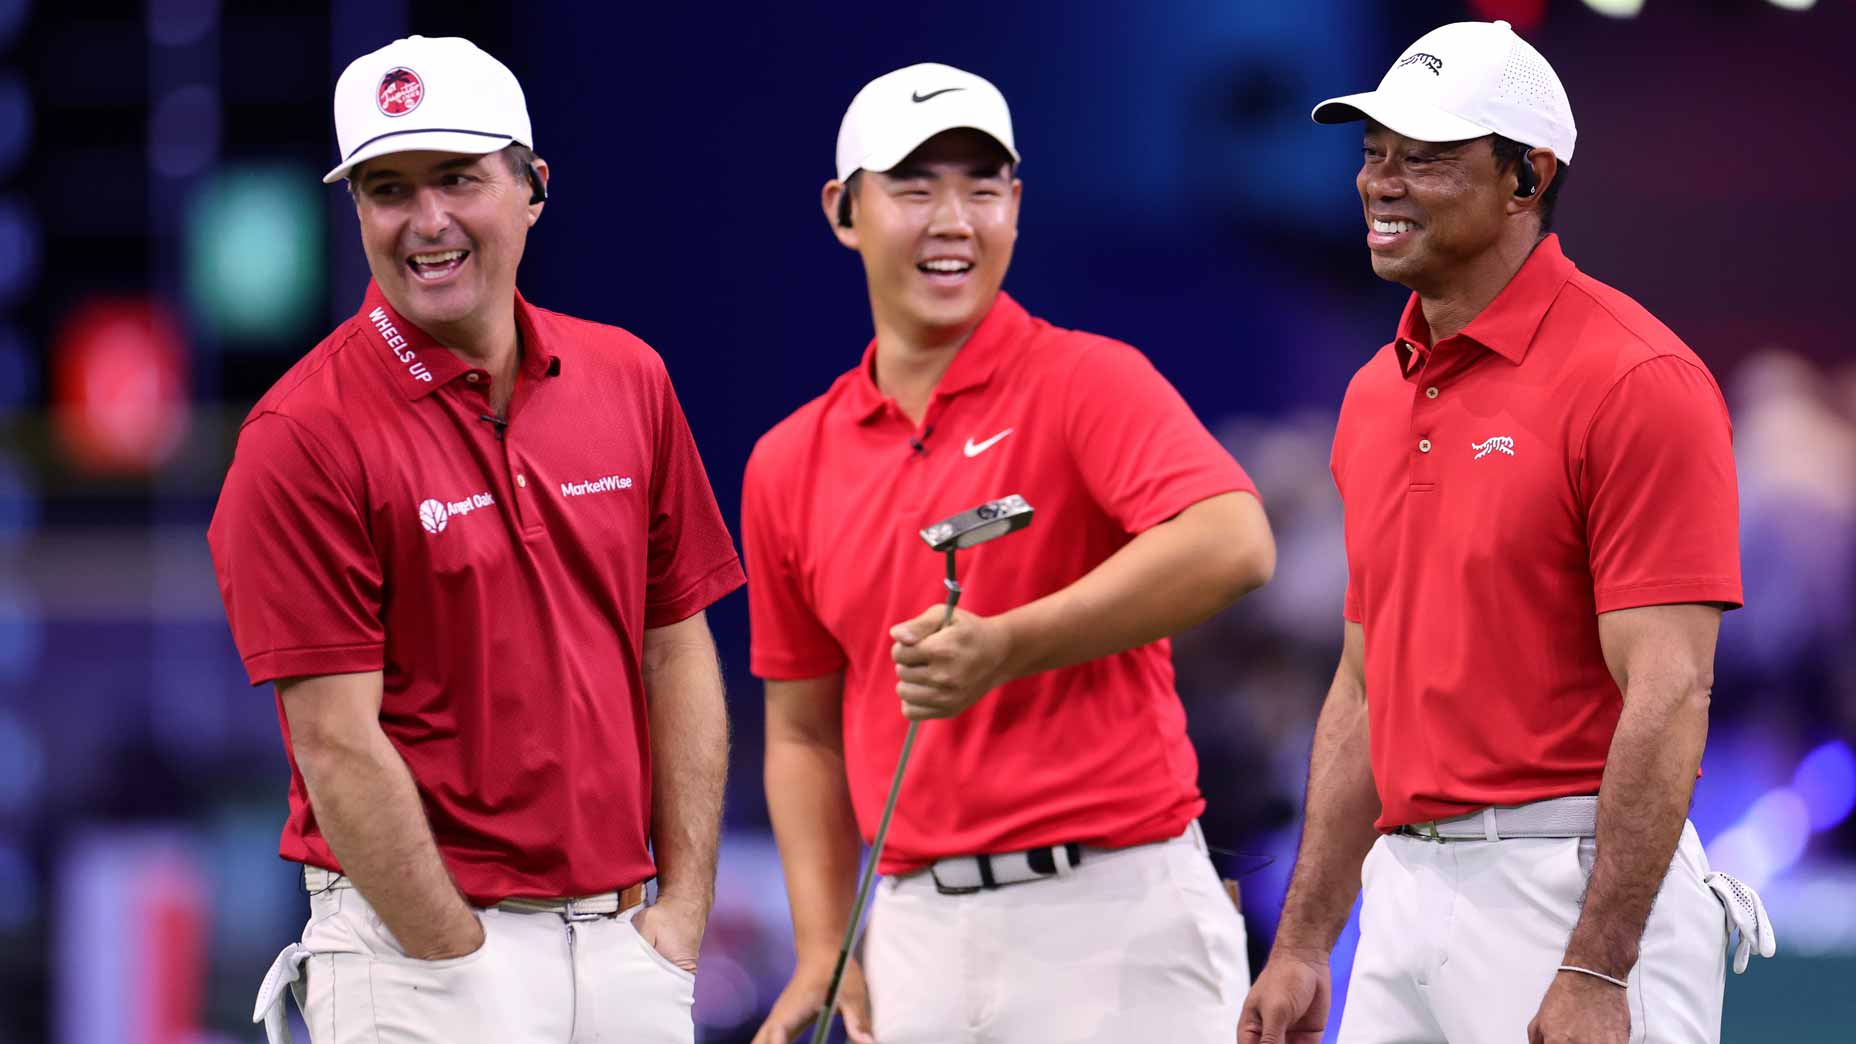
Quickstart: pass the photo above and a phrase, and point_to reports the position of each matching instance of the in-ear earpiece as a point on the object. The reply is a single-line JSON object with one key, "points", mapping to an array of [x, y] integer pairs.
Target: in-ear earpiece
{"points": [[540, 195], [1525, 185]]}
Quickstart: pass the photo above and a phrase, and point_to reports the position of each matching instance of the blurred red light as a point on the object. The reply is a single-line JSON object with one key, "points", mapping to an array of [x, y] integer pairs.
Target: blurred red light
{"points": [[119, 385], [1524, 15]]}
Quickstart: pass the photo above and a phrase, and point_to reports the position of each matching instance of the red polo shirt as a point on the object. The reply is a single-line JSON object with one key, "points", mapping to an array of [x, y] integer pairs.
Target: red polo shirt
{"points": [[1565, 455], [1102, 447], [372, 521]]}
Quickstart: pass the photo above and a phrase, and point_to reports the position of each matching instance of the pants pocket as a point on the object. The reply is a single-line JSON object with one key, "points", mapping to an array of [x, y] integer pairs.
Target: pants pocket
{"points": [[662, 962]]}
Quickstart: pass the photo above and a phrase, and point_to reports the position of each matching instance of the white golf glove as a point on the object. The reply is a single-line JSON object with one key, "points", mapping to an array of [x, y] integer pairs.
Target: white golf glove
{"points": [[1746, 915]]}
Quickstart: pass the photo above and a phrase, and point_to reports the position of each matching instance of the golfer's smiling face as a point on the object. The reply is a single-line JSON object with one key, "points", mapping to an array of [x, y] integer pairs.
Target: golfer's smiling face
{"points": [[936, 231], [444, 233]]}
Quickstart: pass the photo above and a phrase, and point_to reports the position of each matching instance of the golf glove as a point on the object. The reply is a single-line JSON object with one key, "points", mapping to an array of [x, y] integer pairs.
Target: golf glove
{"points": [[1746, 915]]}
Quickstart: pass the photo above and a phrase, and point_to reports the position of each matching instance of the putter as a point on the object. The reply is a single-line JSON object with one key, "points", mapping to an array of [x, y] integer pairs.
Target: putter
{"points": [[989, 521]]}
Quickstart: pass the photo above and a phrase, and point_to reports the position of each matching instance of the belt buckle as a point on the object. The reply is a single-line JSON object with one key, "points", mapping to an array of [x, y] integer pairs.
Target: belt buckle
{"points": [[572, 915], [947, 889]]}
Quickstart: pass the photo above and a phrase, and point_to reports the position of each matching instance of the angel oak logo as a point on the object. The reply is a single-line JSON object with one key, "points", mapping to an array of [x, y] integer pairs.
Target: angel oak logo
{"points": [[435, 514]]}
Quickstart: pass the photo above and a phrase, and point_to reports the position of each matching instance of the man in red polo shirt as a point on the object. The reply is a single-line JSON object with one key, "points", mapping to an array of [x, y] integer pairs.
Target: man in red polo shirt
{"points": [[471, 542], [1541, 536], [1046, 877]]}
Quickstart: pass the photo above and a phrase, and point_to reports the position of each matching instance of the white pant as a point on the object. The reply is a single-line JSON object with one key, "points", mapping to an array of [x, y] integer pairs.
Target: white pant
{"points": [[537, 978], [1139, 945], [1459, 941]]}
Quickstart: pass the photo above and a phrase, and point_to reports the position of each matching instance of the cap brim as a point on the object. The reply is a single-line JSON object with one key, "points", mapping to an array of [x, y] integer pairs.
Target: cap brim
{"points": [[475, 143], [1413, 119], [882, 161]]}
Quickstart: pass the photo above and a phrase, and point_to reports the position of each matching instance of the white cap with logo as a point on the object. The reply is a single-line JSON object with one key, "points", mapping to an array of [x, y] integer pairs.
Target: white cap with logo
{"points": [[437, 94], [1466, 80], [897, 111]]}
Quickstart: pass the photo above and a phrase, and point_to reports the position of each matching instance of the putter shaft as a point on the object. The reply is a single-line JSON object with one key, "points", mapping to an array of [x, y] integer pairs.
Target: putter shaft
{"points": [[823, 1026]]}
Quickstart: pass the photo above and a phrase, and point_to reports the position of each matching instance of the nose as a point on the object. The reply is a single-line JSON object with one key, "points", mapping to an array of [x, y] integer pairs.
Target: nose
{"points": [[430, 215], [1380, 182], [951, 219]]}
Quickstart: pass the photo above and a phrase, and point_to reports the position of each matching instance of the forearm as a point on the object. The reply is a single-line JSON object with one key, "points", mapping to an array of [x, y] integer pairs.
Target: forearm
{"points": [[369, 811], [1337, 827], [810, 805], [1643, 801], [1171, 577], [689, 762]]}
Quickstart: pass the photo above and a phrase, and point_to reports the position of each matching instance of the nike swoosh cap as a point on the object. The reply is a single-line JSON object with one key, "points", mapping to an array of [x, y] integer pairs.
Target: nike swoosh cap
{"points": [[897, 111], [426, 94], [1465, 80]]}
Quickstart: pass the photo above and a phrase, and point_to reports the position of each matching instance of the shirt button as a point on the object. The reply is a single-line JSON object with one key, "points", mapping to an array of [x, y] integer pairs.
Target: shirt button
{"points": [[471, 377], [1431, 392], [1424, 446], [522, 480]]}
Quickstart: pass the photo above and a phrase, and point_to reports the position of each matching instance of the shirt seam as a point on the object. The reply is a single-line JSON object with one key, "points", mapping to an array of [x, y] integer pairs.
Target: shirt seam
{"points": [[318, 648], [691, 589], [1585, 437]]}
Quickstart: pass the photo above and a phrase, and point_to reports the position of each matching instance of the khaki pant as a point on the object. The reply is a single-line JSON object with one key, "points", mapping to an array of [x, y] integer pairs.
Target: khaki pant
{"points": [[537, 979], [1459, 941], [1139, 945]]}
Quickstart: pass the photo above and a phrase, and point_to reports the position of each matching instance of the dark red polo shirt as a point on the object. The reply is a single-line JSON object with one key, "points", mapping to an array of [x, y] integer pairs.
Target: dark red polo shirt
{"points": [[1565, 455], [1103, 448], [372, 521]]}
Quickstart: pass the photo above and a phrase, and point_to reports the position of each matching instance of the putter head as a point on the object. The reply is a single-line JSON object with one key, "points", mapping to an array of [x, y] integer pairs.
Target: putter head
{"points": [[989, 521]]}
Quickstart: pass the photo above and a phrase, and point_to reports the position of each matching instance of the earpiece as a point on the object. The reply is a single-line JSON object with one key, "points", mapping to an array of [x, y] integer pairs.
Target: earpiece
{"points": [[540, 195], [1525, 185]]}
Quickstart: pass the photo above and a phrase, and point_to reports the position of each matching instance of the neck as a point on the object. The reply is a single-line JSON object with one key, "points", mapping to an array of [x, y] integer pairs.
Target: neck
{"points": [[912, 358], [493, 344], [1454, 302]]}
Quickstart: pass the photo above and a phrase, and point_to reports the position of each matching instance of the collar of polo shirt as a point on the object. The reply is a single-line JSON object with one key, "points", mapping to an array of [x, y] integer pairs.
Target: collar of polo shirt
{"points": [[1506, 326], [420, 364], [972, 367]]}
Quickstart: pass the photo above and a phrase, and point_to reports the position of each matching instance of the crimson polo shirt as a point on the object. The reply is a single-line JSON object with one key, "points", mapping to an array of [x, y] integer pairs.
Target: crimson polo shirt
{"points": [[371, 520], [1103, 448], [1565, 455]]}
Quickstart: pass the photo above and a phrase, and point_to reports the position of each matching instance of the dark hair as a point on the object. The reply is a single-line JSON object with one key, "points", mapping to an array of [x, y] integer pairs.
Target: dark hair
{"points": [[844, 198], [1509, 155], [516, 156]]}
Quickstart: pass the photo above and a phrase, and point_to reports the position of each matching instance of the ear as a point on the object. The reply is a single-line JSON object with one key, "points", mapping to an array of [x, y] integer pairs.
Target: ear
{"points": [[541, 171], [1545, 169], [1018, 198], [829, 200]]}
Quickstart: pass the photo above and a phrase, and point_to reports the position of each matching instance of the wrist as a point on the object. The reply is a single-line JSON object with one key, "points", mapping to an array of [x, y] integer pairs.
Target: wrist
{"points": [[699, 903], [1304, 952], [1016, 648], [1604, 965]]}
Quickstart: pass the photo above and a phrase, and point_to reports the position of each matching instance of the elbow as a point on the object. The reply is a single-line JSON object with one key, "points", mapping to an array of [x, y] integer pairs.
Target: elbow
{"points": [[1256, 563], [322, 750], [1246, 563]]}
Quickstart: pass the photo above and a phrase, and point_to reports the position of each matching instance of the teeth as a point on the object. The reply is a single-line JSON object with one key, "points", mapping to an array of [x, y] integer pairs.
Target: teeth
{"points": [[1392, 228], [946, 265], [437, 259]]}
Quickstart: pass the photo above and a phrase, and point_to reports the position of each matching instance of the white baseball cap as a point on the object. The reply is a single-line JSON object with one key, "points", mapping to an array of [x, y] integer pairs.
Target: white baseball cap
{"points": [[1465, 80], [897, 111], [438, 94]]}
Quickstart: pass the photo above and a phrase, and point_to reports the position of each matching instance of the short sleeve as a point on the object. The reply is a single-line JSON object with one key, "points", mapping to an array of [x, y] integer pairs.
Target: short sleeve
{"points": [[294, 558], [692, 561], [786, 640], [1662, 508], [1143, 455]]}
